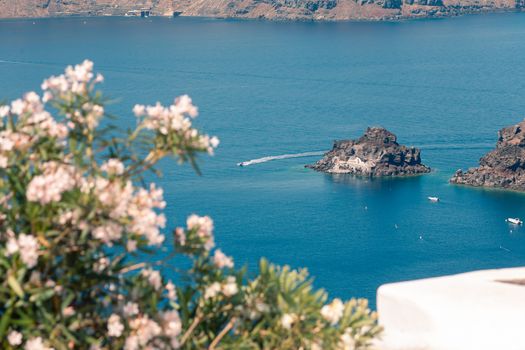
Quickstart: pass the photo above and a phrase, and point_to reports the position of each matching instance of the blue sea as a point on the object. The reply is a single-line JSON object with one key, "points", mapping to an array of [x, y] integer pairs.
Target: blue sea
{"points": [[268, 89]]}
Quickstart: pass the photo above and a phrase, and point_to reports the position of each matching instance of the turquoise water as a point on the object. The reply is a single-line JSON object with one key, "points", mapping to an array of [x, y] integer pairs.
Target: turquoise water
{"points": [[269, 89]]}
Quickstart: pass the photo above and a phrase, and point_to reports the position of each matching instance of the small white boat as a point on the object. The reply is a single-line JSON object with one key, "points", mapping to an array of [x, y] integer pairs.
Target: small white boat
{"points": [[241, 164], [433, 199], [514, 221]]}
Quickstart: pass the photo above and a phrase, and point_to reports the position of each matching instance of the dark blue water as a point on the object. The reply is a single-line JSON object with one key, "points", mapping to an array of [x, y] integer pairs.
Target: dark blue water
{"points": [[267, 88]]}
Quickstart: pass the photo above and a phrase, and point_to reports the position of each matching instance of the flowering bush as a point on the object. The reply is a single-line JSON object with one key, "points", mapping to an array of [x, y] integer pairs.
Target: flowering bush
{"points": [[77, 219]]}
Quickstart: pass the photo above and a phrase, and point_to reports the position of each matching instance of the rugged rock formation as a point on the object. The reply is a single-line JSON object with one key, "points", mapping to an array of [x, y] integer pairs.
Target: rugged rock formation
{"points": [[339, 9], [268, 9], [503, 167], [52, 8], [376, 153]]}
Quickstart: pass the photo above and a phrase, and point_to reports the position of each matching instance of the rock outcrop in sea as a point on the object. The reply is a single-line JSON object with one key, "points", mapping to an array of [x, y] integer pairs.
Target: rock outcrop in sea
{"points": [[376, 153], [503, 167]]}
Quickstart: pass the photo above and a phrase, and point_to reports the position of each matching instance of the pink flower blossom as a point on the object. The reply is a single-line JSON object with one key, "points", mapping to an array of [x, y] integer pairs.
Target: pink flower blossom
{"points": [[221, 261], [171, 323], [145, 329], [153, 277], [108, 233], [113, 167], [172, 293], [204, 227], [48, 187], [27, 246]]}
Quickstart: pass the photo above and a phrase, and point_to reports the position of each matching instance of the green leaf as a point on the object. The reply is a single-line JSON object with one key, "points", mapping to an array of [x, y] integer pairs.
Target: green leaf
{"points": [[15, 286], [6, 317]]}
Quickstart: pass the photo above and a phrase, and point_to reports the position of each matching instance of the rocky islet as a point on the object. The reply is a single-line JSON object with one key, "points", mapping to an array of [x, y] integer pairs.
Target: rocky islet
{"points": [[374, 154], [503, 167]]}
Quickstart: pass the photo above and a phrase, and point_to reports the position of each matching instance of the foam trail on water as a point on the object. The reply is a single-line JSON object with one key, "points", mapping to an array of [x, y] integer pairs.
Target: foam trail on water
{"points": [[17, 62], [283, 156]]}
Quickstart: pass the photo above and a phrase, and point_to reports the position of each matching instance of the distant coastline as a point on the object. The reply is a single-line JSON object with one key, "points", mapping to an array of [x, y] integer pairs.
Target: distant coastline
{"points": [[275, 10]]}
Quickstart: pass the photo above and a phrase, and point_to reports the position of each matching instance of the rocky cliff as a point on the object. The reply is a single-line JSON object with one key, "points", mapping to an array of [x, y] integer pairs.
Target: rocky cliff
{"points": [[50, 8], [503, 167], [340, 9], [376, 153], [268, 9]]}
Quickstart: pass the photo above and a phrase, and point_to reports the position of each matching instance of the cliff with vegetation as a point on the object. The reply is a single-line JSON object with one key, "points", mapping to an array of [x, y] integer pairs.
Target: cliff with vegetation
{"points": [[267, 9]]}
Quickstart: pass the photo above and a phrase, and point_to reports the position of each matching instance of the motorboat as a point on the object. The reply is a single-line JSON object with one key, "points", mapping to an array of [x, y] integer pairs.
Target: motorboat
{"points": [[514, 221], [433, 199]]}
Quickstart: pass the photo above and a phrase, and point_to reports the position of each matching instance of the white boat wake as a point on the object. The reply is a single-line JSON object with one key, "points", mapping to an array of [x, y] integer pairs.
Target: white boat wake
{"points": [[18, 62], [283, 156]]}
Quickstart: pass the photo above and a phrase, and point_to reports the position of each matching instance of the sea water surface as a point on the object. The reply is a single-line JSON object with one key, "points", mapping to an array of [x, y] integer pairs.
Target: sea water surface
{"points": [[271, 89]]}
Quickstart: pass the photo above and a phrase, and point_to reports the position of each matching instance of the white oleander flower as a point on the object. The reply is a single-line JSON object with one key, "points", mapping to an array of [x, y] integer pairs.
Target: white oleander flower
{"points": [[18, 107], [172, 292], [12, 246], [4, 111], [131, 245], [139, 110], [36, 344], [130, 309], [4, 161], [7, 142], [68, 311], [184, 105], [145, 221], [230, 288], [99, 78], [176, 118], [132, 343], [214, 142], [287, 320], [28, 247], [14, 338], [212, 290], [115, 327], [180, 236], [347, 342], [333, 311], [77, 80]]}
